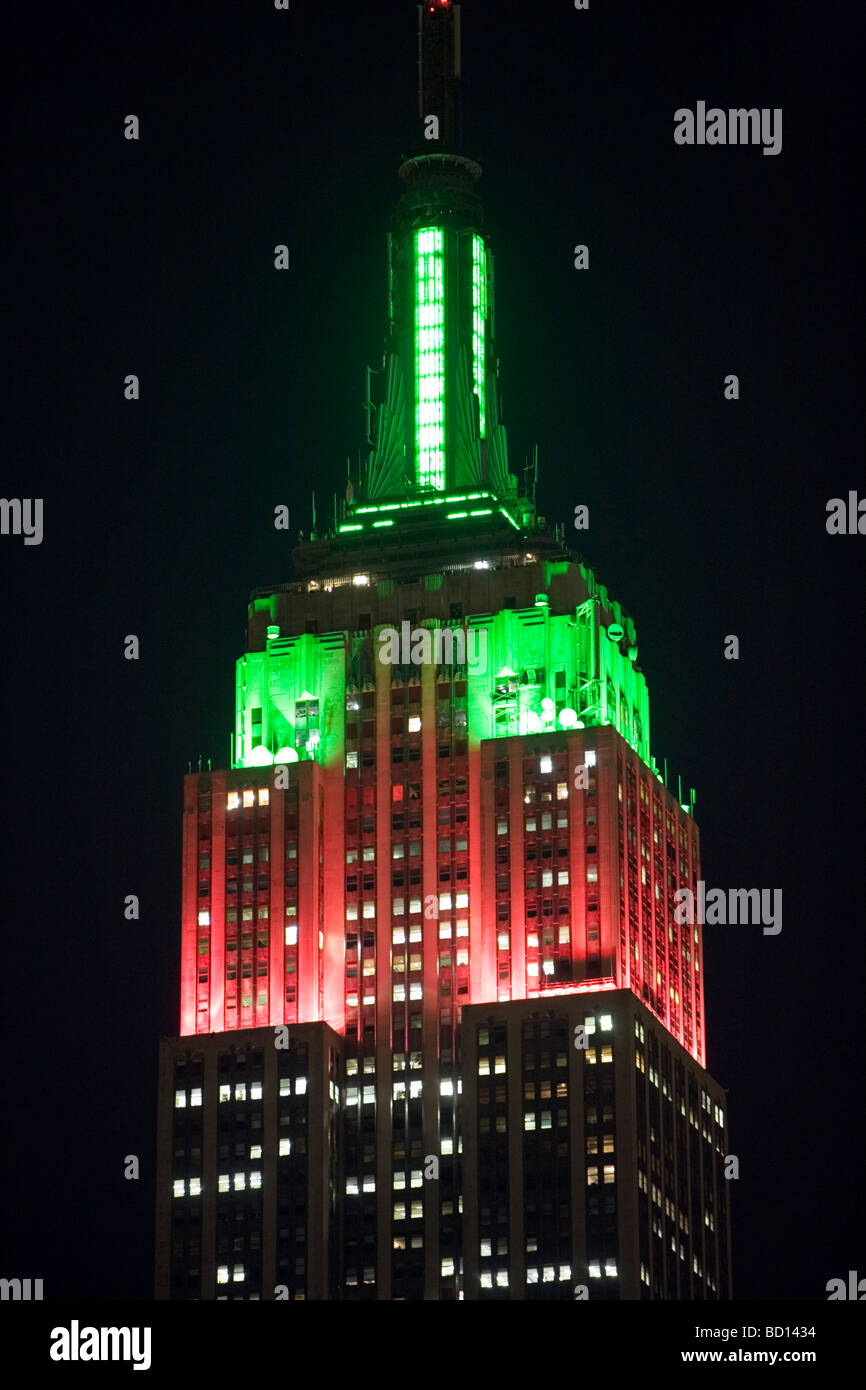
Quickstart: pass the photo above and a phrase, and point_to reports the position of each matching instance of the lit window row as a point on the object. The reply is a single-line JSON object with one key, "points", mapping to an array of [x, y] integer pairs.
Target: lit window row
{"points": [[233, 799], [415, 1090], [547, 874], [286, 1085], [352, 1065], [369, 910], [180, 1189], [484, 1065], [530, 1118], [485, 1246], [399, 1061], [180, 1098], [607, 1144], [416, 1211], [416, 1179], [592, 1174], [548, 1274], [605, 1023], [238, 1182], [398, 993], [460, 900], [352, 1188], [240, 1091]]}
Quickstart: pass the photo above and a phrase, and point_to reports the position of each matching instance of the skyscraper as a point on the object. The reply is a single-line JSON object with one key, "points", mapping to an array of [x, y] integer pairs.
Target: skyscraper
{"points": [[441, 1035]]}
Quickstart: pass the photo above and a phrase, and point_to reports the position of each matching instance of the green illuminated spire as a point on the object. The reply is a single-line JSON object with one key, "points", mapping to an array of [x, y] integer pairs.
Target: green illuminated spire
{"points": [[437, 423]]}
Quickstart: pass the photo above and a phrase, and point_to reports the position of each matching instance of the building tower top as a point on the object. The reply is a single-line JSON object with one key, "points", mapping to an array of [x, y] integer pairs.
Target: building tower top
{"points": [[434, 431]]}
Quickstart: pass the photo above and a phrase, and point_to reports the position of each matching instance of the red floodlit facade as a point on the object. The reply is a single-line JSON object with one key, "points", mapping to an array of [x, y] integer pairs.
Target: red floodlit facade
{"points": [[521, 868]]}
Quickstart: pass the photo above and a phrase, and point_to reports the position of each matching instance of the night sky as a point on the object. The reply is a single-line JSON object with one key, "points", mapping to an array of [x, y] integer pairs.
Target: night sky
{"points": [[707, 516]]}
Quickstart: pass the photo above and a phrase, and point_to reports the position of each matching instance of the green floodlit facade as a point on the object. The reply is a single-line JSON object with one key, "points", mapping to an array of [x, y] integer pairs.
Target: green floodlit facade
{"points": [[537, 671]]}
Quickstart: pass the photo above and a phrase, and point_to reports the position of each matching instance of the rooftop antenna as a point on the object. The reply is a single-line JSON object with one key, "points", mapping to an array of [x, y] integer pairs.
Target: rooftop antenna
{"points": [[527, 485], [439, 71], [368, 407]]}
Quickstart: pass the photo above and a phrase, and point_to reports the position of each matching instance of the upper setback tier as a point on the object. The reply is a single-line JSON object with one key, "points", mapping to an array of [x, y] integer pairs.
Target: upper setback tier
{"points": [[539, 640]]}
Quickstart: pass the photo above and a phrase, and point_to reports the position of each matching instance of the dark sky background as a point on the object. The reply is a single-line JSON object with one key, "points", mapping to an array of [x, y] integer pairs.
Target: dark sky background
{"points": [[707, 517]]}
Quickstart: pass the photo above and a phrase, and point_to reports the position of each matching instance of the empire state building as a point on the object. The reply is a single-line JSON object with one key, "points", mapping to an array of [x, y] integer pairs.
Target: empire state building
{"points": [[441, 1034]]}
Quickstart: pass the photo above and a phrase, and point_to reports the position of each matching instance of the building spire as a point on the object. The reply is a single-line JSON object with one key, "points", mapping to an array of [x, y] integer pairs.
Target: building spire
{"points": [[439, 76], [435, 428]]}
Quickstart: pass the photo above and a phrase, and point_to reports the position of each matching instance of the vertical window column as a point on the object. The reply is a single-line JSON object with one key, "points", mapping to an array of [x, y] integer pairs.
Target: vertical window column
{"points": [[430, 356]]}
